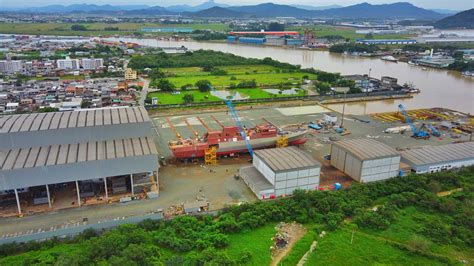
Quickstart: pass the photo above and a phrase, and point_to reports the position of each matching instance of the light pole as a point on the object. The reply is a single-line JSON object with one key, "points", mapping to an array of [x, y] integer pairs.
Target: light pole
{"points": [[343, 109]]}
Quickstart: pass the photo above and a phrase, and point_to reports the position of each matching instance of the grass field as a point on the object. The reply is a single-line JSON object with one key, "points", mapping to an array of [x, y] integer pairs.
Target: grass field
{"points": [[336, 249], [262, 74], [346, 32], [169, 98], [95, 28], [257, 242]]}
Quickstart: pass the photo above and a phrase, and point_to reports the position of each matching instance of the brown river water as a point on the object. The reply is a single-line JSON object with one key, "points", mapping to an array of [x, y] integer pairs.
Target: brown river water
{"points": [[439, 88]]}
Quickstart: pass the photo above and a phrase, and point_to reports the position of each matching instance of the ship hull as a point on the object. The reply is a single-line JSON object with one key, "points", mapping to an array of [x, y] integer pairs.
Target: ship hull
{"points": [[234, 147]]}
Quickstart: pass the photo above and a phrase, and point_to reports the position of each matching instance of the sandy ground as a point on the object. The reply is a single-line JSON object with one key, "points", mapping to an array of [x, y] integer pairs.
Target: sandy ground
{"points": [[178, 183]]}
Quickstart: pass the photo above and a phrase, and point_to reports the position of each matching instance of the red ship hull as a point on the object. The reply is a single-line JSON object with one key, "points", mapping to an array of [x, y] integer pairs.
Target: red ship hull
{"points": [[197, 149]]}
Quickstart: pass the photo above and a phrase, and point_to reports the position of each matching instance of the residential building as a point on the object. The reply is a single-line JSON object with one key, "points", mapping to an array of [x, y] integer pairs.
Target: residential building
{"points": [[10, 66], [92, 63], [130, 74], [68, 64]]}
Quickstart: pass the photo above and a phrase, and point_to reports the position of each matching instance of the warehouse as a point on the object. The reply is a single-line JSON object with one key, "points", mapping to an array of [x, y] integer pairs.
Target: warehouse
{"points": [[98, 153], [432, 159], [365, 160], [279, 171]]}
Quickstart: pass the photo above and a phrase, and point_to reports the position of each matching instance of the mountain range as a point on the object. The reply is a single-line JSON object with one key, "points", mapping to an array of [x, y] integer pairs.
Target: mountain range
{"points": [[401, 10], [464, 19]]}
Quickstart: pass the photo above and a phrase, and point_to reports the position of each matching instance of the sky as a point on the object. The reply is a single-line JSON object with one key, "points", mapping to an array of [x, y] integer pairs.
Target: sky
{"points": [[431, 4]]}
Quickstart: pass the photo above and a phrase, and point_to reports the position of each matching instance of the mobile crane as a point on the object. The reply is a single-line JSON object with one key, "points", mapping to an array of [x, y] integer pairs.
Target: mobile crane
{"points": [[417, 133]]}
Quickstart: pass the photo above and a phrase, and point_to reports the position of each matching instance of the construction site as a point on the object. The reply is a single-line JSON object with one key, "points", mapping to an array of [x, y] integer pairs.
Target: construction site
{"points": [[201, 156], [318, 126]]}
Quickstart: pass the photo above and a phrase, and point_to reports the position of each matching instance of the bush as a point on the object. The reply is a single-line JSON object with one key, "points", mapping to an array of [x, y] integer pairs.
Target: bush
{"points": [[77, 27], [203, 85], [188, 98]]}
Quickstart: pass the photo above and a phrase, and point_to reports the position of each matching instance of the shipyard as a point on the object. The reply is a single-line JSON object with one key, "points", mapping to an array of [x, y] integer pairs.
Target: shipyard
{"points": [[219, 134]]}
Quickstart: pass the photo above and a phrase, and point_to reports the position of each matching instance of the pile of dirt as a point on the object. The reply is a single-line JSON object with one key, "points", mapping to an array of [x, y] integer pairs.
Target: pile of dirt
{"points": [[286, 236]]}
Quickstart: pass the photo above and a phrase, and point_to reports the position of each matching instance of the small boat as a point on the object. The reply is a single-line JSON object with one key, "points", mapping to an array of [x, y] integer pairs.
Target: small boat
{"points": [[468, 74], [424, 68], [389, 58]]}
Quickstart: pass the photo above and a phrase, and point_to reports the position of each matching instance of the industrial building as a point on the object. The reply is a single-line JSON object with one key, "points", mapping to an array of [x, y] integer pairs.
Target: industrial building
{"points": [[98, 153], [279, 171], [365, 160], [388, 41], [432, 159]]}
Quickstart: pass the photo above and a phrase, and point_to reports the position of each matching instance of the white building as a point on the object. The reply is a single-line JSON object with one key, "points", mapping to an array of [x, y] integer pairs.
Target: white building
{"points": [[10, 66], [432, 159], [92, 63], [365, 160], [68, 64], [280, 171]]}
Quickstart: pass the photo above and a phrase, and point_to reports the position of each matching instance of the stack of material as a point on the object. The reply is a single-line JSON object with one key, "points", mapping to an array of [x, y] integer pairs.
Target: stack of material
{"points": [[119, 186]]}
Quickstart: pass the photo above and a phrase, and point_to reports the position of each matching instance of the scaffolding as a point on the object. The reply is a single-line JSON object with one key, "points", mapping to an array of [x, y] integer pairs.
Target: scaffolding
{"points": [[282, 142], [210, 156]]}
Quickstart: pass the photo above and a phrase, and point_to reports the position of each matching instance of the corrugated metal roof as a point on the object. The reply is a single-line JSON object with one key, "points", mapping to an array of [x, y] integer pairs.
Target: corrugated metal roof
{"points": [[288, 158], [438, 154], [80, 118], [365, 149], [74, 153]]}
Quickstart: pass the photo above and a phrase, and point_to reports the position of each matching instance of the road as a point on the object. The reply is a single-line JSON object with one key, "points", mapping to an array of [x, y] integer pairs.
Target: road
{"points": [[144, 92]]}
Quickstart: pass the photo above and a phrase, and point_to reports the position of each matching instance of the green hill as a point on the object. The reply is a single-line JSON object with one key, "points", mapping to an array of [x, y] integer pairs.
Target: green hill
{"points": [[464, 19]]}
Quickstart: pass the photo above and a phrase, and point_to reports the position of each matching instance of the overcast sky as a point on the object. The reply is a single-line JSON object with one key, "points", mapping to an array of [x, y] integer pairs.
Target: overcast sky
{"points": [[444, 4]]}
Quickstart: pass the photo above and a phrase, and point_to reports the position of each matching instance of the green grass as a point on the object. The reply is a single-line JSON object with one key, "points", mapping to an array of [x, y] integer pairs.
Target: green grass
{"points": [[299, 249], [336, 249], [406, 228], [225, 81], [96, 28], [256, 93], [168, 98], [346, 32], [257, 242]]}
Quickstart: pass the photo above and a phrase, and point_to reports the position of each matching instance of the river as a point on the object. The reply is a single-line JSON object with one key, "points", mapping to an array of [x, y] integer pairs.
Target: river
{"points": [[439, 88]]}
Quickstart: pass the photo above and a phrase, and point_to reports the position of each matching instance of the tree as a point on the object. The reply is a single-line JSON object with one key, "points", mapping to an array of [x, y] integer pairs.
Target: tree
{"points": [[275, 26], [323, 88], [188, 98], [77, 27], [369, 36], [86, 104], [48, 109], [165, 85], [186, 87], [203, 85]]}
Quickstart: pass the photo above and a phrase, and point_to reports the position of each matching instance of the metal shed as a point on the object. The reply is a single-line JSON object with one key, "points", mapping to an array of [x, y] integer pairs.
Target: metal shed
{"points": [[29, 130], [365, 160], [439, 158], [287, 169]]}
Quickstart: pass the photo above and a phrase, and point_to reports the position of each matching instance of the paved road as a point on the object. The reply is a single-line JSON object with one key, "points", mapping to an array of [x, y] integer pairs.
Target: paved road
{"points": [[144, 92]]}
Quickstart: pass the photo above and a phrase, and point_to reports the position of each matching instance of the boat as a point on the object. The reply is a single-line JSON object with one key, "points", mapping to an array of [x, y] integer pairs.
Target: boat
{"points": [[229, 141], [389, 58], [468, 74]]}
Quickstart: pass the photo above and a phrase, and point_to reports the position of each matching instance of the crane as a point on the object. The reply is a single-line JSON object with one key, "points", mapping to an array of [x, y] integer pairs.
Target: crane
{"points": [[239, 125], [417, 133], [434, 131]]}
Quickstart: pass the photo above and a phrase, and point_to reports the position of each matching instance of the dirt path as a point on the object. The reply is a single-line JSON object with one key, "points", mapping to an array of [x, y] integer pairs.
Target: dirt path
{"points": [[295, 232]]}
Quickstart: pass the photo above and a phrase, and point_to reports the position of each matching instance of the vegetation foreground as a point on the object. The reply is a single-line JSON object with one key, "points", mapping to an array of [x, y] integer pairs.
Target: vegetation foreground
{"points": [[402, 221]]}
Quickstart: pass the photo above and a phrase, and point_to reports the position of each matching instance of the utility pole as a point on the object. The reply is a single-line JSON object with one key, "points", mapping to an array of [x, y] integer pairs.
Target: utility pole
{"points": [[343, 109]]}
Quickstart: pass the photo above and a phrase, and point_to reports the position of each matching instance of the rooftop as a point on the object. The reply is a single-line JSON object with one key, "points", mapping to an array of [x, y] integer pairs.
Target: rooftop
{"points": [[288, 158], [80, 118], [442, 153], [365, 149], [254, 178]]}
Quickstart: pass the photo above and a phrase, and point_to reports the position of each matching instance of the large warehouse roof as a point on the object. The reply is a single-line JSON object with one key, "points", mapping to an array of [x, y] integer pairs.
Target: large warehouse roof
{"points": [[74, 153], [437, 154], [82, 118], [288, 158], [365, 149], [42, 129]]}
